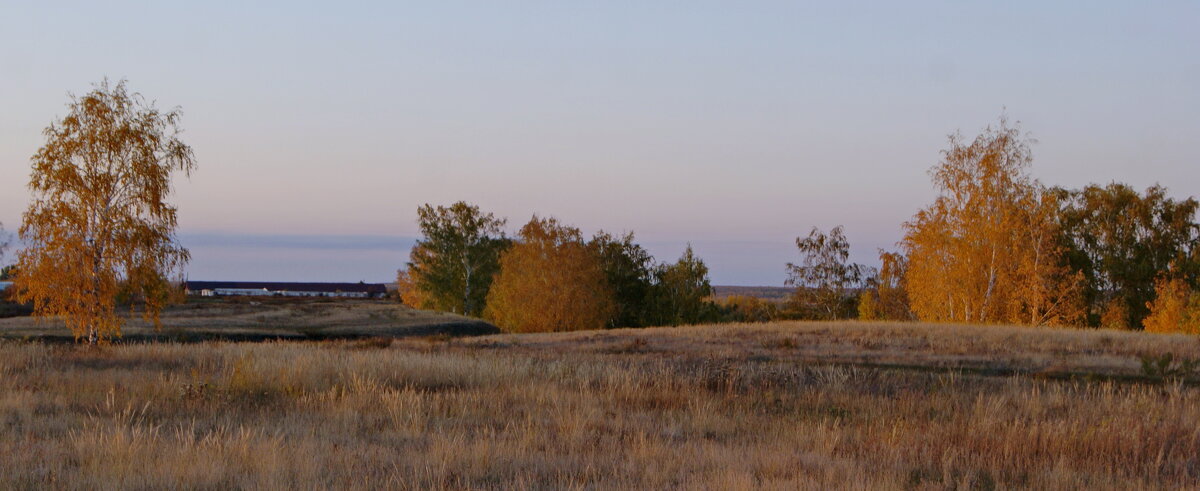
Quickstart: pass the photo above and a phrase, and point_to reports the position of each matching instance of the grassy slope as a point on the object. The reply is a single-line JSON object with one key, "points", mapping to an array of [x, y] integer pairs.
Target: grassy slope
{"points": [[789, 405], [271, 318], [1093, 354]]}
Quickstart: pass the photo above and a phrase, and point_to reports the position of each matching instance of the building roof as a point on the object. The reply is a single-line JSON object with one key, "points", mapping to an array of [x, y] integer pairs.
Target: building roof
{"points": [[278, 286]]}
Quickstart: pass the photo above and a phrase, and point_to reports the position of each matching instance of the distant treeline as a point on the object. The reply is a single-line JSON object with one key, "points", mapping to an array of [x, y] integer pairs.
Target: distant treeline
{"points": [[995, 246], [548, 277]]}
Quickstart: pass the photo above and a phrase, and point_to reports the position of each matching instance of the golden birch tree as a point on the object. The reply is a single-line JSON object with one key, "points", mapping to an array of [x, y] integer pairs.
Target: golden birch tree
{"points": [[985, 250], [99, 222], [549, 280], [1045, 290]]}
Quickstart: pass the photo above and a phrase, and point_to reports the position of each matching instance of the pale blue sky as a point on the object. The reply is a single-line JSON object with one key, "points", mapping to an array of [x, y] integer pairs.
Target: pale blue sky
{"points": [[319, 128]]}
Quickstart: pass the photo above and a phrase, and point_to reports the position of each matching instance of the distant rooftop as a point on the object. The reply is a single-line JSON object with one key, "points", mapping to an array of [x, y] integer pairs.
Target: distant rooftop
{"points": [[279, 286]]}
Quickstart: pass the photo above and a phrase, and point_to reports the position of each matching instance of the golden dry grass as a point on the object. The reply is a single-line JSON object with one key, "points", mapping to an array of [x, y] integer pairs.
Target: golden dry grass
{"points": [[783, 406], [257, 318]]}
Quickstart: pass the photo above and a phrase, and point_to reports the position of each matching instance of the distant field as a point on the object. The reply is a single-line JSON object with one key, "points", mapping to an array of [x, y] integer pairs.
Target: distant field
{"points": [[265, 318], [779, 406], [772, 293]]}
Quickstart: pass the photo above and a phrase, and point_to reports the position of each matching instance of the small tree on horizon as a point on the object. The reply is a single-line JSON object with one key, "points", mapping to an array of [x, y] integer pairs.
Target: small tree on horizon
{"points": [[885, 296], [3, 247], [825, 280], [99, 223]]}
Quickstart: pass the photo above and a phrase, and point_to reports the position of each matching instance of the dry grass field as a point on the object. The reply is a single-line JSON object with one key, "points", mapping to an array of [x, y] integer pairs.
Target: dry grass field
{"points": [[780, 406], [268, 318]]}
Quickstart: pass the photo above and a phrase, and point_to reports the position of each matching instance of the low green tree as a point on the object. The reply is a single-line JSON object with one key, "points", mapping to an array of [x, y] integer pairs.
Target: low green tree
{"points": [[1123, 241], [453, 264], [682, 292], [629, 269]]}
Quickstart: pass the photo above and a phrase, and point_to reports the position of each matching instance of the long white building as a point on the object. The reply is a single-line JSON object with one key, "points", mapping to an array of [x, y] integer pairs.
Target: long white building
{"points": [[285, 289]]}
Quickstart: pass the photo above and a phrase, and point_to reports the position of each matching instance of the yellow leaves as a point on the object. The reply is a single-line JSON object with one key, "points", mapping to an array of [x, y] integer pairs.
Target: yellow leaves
{"points": [[98, 222], [868, 307], [410, 294], [985, 251], [1175, 309], [549, 281], [1115, 315]]}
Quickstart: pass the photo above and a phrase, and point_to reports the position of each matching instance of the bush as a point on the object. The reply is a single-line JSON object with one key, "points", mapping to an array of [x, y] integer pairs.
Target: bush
{"points": [[868, 307], [1175, 309], [1167, 368], [1116, 314], [742, 308]]}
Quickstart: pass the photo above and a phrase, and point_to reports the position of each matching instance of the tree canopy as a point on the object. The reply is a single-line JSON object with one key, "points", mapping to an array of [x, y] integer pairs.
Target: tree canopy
{"points": [[825, 278], [681, 292], [99, 222], [629, 270], [453, 264], [994, 246], [550, 281], [986, 250], [1123, 241]]}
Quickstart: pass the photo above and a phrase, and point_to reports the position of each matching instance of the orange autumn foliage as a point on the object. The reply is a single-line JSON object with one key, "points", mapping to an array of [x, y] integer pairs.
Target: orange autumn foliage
{"points": [[549, 281], [410, 294], [1175, 309], [985, 251], [99, 225]]}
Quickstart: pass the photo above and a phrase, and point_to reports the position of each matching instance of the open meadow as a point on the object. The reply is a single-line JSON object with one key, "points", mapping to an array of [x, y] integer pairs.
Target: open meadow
{"points": [[261, 319], [599, 245], [779, 406]]}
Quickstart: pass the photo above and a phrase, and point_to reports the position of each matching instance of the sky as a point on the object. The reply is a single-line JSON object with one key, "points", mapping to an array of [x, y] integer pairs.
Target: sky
{"points": [[319, 128]]}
